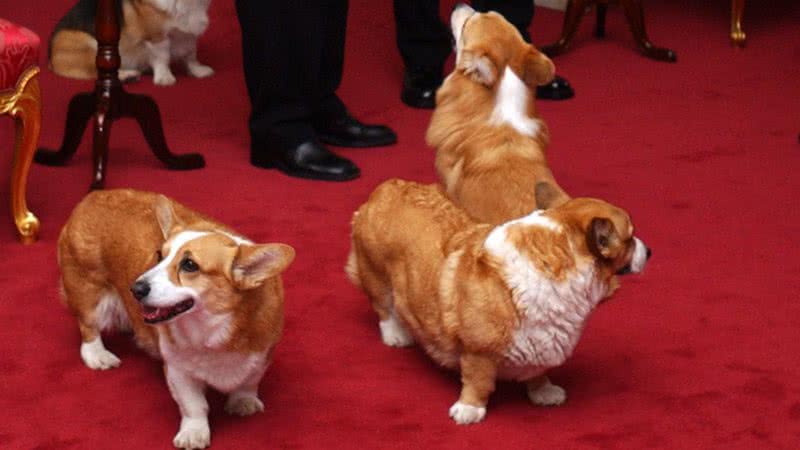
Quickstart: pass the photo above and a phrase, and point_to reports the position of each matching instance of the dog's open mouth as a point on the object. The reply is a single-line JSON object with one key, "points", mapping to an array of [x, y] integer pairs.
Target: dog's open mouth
{"points": [[155, 315]]}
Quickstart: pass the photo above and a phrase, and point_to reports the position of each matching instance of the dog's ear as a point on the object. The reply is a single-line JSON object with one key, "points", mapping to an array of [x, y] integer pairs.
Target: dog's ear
{"points": [[549, 195], [256, 263], [478, 65], [165, 214], [601, 237], [537, 68]]}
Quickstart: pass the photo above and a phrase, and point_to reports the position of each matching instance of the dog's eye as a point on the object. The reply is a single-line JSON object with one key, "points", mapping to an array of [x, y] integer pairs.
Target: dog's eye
{"points": [[187, 265], [159, 256]]}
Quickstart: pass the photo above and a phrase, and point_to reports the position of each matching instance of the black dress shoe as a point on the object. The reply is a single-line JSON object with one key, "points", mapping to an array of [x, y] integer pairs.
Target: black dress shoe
{"points": [[419, 87], [308, 160], [558, 89], [346, 131]]}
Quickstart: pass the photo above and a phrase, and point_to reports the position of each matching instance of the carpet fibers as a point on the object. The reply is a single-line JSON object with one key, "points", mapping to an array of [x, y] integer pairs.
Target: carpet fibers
{"points": [[701, 351]]}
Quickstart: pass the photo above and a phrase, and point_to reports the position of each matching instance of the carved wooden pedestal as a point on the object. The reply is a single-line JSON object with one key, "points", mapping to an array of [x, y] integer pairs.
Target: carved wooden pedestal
{"points": [[109, 102]]}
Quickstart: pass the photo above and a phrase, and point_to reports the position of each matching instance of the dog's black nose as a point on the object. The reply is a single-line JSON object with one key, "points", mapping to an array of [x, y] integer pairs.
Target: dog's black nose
{"points": [[649, 252], [140, 289]]}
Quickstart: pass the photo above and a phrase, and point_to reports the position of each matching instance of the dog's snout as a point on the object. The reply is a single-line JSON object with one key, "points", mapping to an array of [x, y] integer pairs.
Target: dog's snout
{"points": [[140, 289], [649, 252]]}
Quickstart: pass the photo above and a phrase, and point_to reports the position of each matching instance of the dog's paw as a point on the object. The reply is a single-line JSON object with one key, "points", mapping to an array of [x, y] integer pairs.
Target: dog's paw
{"points": [[198, 70], [96, 357], [547, 394], [165, 78], [243, 405], [393, 334], [192, 436], [464, 414]]}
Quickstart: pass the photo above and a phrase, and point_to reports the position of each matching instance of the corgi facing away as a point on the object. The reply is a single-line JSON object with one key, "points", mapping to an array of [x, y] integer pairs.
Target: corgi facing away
{"points": [[509, 301], [206, 300], [490, 142], [152, 34]]}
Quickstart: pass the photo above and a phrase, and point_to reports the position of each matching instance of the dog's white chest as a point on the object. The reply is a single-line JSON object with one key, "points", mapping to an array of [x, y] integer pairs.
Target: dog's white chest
{"points": [[190, 16], [224, 371]]}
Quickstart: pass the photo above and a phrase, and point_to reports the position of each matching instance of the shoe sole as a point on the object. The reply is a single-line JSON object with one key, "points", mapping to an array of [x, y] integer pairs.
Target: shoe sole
{"points": [[270, 164], [330, 140]]}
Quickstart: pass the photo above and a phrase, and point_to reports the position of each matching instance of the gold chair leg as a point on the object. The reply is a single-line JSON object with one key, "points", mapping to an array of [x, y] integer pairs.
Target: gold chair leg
{"points": [[737, 35], [24, 105]]}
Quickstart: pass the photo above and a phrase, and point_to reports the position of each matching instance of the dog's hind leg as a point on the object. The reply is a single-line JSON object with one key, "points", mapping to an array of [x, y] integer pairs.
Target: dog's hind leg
{"points": [[95, 307]]}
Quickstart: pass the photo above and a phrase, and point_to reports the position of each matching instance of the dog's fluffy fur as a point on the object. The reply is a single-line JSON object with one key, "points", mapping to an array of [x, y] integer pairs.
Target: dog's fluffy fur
{"points": [[490, 143], [209, 302], [494, 302], [153, 32]]}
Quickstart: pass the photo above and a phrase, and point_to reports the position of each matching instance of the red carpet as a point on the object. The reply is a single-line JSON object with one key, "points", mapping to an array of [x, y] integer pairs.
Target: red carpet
{"points": [[699, 352]]}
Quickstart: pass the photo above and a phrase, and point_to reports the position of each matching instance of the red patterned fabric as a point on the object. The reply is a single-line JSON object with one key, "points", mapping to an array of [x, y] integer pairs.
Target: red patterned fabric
{"points": [[19, 49]]}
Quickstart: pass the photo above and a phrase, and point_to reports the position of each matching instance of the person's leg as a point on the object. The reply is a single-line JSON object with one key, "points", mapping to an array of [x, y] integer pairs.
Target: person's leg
{"points": [[424, 44], [331, 120]]}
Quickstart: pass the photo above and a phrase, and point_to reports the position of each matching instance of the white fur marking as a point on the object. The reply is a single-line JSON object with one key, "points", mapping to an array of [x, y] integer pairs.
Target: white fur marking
{"points": [[511, 105], [163, 293], [553, 313], [464, 414], [110, 315], [547, 394], [639, 258], [95, 355], [394, 333]]}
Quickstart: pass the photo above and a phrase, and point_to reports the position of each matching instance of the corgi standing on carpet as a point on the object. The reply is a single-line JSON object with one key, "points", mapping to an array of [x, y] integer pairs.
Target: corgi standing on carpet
{"points": [[509, 301], [153, 33], [206, 300], [490, 142]]}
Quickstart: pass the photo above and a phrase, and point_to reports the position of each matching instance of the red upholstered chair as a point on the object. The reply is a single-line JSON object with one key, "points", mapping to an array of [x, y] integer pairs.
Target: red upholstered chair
{"points": [[20, 99]]}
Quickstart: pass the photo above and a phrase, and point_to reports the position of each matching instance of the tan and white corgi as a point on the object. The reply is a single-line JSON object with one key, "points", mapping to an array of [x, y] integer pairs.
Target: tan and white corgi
{"points": [[507, 302], [490, 142], [152, 34], [206, 300]]}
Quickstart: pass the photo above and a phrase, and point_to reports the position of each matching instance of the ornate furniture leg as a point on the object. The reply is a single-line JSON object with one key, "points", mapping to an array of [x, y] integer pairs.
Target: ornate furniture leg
{"points": [[24, 105], [737, 35], [572, 18], [108, 103], [634, 12]]}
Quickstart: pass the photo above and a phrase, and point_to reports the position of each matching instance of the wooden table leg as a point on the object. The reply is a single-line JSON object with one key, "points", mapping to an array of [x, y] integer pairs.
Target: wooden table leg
{"points": [[108, 102], [737, 35], [572, 18], [635, 15]]}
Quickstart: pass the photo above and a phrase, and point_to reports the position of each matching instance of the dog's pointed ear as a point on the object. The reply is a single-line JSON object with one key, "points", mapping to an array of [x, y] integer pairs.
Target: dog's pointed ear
{"points": [[537, 68], [601, 237], [478, 65], [165, 214], [549, 195], [256, 263]]}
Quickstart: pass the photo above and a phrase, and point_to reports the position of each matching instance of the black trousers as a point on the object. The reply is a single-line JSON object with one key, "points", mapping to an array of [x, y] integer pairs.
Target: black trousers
{"points": [[425, 42], [293, 54]]}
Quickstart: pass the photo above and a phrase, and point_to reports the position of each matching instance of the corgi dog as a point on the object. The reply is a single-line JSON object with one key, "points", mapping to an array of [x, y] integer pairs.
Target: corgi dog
{"points": [[507, 301], [152, 34], [206, 300], [490, 142]]}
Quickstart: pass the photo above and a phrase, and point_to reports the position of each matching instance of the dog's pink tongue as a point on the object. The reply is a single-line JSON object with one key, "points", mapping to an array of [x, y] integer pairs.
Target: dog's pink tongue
{"points": [[150, 312]]}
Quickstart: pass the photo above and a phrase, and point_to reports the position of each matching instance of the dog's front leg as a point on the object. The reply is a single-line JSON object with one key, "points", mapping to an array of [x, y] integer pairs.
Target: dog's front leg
{"points": [[478, 374], [158, 56], [193, 66], [189, 394]]}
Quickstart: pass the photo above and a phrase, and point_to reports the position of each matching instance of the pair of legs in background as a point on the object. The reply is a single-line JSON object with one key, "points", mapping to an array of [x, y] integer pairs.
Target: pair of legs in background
{"points": [[425, 43], [293, 55]]}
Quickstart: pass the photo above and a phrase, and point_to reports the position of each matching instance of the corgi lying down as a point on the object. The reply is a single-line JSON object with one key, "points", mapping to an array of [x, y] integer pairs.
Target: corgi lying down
{"points": [[493, 302], [206, 300]]}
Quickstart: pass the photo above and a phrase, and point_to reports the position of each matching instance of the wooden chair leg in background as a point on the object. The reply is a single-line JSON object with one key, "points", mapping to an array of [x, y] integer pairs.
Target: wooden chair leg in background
{"points": [[737, 35], [24, 105], [634, 12]]}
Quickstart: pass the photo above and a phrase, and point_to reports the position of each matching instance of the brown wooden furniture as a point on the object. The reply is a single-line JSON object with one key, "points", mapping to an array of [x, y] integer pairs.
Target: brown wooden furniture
{"points": [[20, 99], [109, 102], [737, 35], [634, 12]]}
